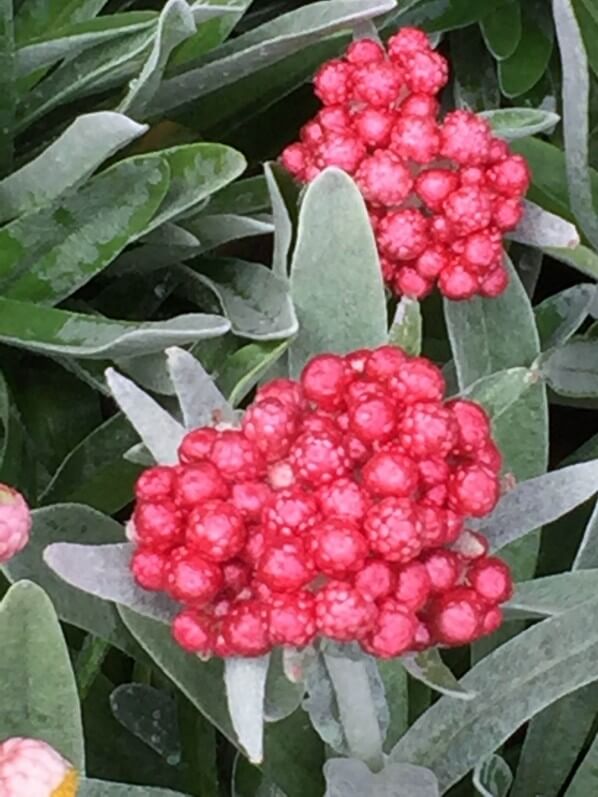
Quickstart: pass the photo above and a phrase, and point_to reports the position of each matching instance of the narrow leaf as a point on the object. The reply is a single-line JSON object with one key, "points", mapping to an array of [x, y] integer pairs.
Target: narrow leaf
{"points": [[560, 315], [453, 735], [538, 501], [550, 595], [587, 553], [492, 777], [512, 123], [576, 92], [572, 369], [429, 668], [336, 251], [245, 689], [200, 400], [284, 198], [103, 571], [38, 690], [501, 29], [67, 162], [585, 781], [541, 228], [521, 71], [158, 430], [242, 370], [406, 328], [501, 391]]}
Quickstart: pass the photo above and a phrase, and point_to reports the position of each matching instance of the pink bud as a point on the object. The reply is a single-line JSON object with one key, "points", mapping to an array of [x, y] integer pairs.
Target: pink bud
{"points": [[15, 523]]}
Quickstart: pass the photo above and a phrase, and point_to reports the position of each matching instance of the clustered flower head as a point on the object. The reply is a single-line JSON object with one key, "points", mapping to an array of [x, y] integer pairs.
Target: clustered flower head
{"points": [[440, 194], [32, 768], [336, 509], [15, 523]]}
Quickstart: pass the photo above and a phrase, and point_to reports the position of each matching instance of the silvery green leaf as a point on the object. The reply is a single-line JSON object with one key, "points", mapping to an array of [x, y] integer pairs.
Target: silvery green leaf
{"points": [[406, 328], [175, 24], [560, 315], [245, 681], [572, 368], [85, 144], [362, 708], [214, 231], [139, 455], [587, 553], [550, 595], [492, 777], [540, 228], [538, 501], [336, 252], [256, 301], [102, 788], [320, 702], [499, 392], [429, 668], [576, 92], [150, 715], [200, 400], [585, 781], [243, 369], [282, 695], [513, 683], [103, 571], [158, 430], [512, 123], [264, 45], [349, 777], [284, 196]]}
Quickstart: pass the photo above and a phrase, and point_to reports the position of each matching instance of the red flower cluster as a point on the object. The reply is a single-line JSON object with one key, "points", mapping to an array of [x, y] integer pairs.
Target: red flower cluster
{"points": [[337, 509], [439, 194]]}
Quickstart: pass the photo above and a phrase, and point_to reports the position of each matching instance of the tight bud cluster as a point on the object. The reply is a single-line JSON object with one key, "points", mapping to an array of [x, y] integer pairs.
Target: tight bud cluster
{"points": [[337, 509], [440, 194]]}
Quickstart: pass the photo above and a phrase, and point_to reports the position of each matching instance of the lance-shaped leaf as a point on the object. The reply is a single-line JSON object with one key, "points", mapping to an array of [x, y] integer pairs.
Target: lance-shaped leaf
{"points": [[499, 392], [492, 777], [242, 370], [67, 162], [39, 694], [406, 328], [512, 123], [175, 24], [429, 668], [560, 316], [336, 251], [576, 94], [45, 330], [262, 46], [572, 369], [103, 571], [158, 430], [348, 777], [71, 523], [544, 597], [537, 501], [515, 682], [540, 228], [587, 553], [284, 198], [585, 781], [200, 400], [245, 681]]}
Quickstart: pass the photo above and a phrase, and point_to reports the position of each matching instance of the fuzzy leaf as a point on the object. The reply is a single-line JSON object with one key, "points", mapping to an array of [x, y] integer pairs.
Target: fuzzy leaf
{"points": [[158, 430], [560, 315], [150, 715], [541, 228], [527, 673], [429, 668], [580, 258], [245, 681], [587, 553], [406, 328], [67, 162], [352, 778], [572, 369], [103, 788], [242, 370], [199, 398], [492, 777], [38, 690], [585, 781], [544, 597], [262, 46], [284, 198], [336, 251], [71, 523], [512, 123], [282, 697], [103, 571], [538, 501], [500, 392], [256, 301]]}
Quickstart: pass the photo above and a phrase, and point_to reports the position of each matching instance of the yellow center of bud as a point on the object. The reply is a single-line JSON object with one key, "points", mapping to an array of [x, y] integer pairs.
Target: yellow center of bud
{"points": [[68, 787]]}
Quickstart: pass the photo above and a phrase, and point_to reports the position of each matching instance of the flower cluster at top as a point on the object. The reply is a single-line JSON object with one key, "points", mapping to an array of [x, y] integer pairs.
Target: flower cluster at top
{"points": [[440, 194], [337, 509]]}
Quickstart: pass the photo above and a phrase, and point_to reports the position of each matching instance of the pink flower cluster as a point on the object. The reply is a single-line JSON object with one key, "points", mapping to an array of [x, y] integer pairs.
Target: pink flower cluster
{"points": [[440, 194], [337, 509]]}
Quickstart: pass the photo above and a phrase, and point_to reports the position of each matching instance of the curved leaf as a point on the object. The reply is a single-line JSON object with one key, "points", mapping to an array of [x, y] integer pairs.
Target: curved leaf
{"points": [[245, 681], [525, 66], [429, 668], [572, 369], [492, 777], [512, 123], [560, 315], [501, 29], [406, 328], [541, 228], [544, 597], [150, 715]]}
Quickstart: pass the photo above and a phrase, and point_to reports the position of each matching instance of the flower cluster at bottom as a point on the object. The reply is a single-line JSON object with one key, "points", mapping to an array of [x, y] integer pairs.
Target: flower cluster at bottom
{"points": [[31, 768], [336, 509], [440, 194]]}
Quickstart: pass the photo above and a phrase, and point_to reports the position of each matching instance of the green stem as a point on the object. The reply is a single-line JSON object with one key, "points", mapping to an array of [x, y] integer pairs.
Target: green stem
{"points": [[358, 714], [89, 663]]}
